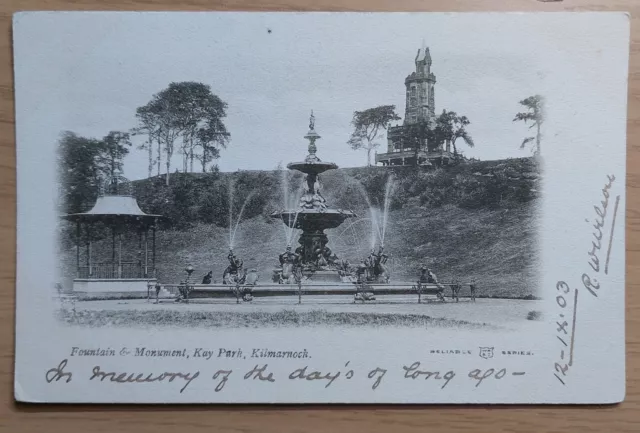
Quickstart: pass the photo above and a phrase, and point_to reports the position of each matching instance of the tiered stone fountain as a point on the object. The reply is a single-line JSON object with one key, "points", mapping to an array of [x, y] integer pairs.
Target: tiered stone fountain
{"points": [[313, 216]]}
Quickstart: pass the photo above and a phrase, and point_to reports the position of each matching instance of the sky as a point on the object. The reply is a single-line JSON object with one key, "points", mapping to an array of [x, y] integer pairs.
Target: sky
{"points": [[90, 71]]}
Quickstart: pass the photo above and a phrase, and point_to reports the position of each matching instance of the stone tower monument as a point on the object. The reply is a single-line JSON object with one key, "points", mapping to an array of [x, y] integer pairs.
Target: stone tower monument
{"points": [[420, 101]]}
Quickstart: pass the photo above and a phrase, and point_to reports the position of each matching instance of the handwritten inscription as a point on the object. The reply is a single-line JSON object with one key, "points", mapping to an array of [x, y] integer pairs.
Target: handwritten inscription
{"points": [[601, 213], [262, 374], [565, 332], [567, 298], [143, 377], [58, 373], [302, 373], [224, 378], [601, 210], [413, 372]]}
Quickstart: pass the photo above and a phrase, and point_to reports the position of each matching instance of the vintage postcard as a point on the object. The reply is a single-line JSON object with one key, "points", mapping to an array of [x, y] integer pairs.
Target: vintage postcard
{"points": [[320, 207]]}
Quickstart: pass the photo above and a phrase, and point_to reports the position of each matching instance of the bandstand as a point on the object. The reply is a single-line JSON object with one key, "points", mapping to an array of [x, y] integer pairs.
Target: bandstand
{"points": [[116, 214]]}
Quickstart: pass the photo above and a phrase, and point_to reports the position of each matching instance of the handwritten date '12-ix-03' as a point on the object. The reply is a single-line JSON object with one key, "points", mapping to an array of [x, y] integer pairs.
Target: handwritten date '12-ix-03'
{"points": [[567, 298]]}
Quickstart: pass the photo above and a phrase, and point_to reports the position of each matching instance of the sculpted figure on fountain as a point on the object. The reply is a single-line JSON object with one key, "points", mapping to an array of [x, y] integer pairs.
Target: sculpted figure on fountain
{"points": [[233, 271], [312, 198]]}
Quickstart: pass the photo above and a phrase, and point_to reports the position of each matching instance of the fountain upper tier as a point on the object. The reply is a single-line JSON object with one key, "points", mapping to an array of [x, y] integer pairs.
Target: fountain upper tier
{"points": [[309, 167], [312, 165], [313, 213]]}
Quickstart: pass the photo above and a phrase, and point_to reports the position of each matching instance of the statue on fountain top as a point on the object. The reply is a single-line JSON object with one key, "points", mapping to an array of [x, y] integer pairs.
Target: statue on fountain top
{"points": [[312, 136]]}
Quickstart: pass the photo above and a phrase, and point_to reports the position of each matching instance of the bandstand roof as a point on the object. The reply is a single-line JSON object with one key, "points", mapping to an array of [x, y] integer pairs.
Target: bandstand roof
{"points": [[113, 208], [116, 204]]}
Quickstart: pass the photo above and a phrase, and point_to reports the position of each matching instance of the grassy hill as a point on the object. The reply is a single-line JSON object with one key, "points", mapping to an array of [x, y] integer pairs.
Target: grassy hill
{"points": [[475, 220]]}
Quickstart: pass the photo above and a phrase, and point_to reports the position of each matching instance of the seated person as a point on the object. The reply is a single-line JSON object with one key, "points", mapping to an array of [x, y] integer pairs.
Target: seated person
{"points": [[207, 278]]}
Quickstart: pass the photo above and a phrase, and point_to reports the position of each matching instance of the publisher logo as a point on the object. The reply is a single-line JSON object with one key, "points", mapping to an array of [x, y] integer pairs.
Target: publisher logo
{"points": [[486, 352]]}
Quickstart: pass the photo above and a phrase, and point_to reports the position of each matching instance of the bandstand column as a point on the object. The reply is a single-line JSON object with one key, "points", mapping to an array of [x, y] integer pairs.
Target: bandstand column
{"points": [[78, 249], [146, 252], [119, 254], [88, 233], [113, 251], [154, 248], [140, 270]]}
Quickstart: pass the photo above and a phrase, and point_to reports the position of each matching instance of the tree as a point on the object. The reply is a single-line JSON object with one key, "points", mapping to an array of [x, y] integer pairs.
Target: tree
{"points": [[183, 110], [417, 136], [148, 125], [210, 138], [367, 124], [78, 173], [535, 115], [84, 163], [113, 148], [450, 127]]}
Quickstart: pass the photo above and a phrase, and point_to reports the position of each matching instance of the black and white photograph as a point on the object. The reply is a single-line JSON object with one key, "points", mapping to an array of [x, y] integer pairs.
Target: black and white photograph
{"points": [[393, 207], [383, 179]]}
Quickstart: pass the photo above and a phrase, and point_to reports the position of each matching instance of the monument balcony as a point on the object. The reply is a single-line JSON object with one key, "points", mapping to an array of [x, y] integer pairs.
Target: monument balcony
{"points": [[410, 153]]}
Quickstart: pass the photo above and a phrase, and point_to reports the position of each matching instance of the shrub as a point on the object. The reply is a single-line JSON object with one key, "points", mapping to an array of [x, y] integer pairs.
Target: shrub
{"points": [[534, 315]]}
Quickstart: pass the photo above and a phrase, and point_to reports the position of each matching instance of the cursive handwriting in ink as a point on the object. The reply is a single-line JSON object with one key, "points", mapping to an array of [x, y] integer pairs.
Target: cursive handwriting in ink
{"points": [[564, 333], [480, 375], [143, 377], [413, 372], [58, 373], [301, 373], [601, 213], [377, 371], [591, 284], [225, 377], [259, 373], [613, 226]]}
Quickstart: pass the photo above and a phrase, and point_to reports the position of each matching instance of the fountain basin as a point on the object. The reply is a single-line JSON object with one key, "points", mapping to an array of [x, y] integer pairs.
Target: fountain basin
{"points": [[312, 167], [314, 219]]}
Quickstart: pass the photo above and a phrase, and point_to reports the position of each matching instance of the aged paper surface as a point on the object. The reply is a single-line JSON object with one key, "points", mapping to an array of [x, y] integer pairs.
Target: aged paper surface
{"points": [[279, 207]]}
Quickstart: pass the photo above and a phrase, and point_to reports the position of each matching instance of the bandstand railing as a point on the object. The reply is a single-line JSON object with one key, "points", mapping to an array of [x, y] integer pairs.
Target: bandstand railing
{"points": [[114, 271]]}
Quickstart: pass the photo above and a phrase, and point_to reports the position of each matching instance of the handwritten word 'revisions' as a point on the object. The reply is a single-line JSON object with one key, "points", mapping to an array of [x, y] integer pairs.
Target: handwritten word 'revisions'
{"points": [[601, 219]]}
